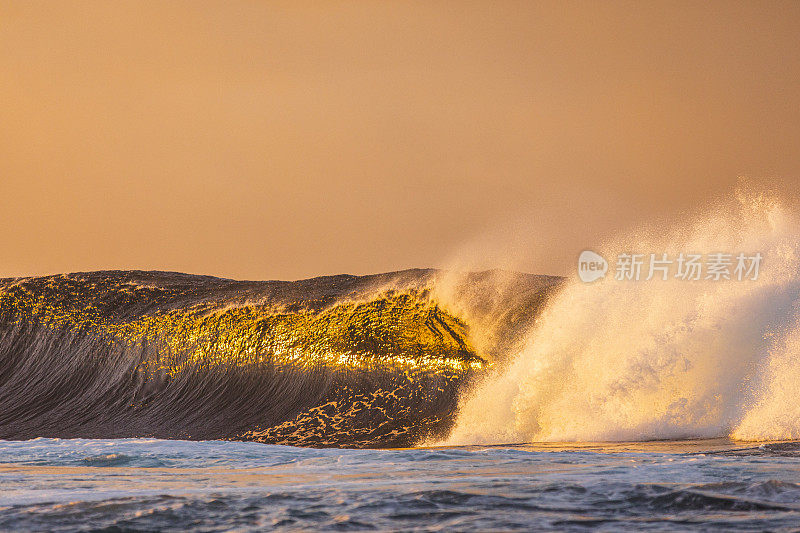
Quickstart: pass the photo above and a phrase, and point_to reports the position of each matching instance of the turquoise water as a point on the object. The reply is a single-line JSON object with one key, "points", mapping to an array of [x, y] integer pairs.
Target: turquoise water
{"points": [[160, 485]]}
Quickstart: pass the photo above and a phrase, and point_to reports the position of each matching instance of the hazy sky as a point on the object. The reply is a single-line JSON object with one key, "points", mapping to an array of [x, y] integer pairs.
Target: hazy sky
{"points": [[262, 140]]}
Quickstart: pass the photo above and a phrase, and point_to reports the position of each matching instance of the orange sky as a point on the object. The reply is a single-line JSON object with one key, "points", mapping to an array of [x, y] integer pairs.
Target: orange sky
{"points": [[260, 140]]}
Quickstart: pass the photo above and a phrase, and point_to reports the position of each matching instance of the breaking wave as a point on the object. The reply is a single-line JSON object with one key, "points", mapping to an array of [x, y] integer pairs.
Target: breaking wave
{"points": [[641, 360], [419, 356]]}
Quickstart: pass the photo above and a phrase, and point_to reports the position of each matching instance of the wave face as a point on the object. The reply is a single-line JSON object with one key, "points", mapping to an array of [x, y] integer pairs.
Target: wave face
{"points": [[371, 361], [631, 361]]}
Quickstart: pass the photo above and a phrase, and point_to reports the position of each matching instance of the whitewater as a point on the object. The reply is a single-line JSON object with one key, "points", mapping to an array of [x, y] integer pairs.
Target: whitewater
{"points": [[626, 360]]}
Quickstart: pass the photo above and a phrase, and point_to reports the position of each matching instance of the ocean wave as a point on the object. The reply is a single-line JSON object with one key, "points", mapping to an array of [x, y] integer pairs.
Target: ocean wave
{"points": [[370, 361]]}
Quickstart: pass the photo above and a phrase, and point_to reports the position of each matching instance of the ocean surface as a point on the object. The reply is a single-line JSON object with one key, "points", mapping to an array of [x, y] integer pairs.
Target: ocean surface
{"points": [[167, 485]]}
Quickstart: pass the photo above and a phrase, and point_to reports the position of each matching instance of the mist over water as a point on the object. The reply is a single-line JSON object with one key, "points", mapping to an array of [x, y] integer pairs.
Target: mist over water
{"points": [[639, 360]]}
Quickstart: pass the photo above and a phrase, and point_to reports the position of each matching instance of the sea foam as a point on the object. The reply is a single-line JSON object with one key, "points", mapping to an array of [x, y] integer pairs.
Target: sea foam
{"points": [[639, 360]]}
